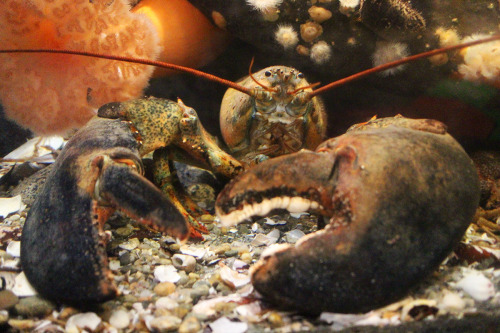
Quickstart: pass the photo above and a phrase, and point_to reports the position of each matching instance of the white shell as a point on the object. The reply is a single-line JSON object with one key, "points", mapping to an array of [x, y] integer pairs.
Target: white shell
{"points": [[14, 249], [195, 251], [476, 285], [166, 273], [184, 262], [208, 307], [233, 278], [224, 325], [22, 287], [11, 205], [35, 149], [80, 321]]}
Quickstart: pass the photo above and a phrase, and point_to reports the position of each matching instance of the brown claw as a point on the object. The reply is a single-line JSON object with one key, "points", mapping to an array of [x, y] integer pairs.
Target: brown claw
{"points": [[63, 244], [398, 200]]}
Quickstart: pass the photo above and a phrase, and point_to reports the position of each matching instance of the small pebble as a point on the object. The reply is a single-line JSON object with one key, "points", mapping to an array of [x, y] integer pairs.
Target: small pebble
{"points": [[165, 323], [119, 319], [231, 253], [125, 259], [222, 248], [34, 306], [125, 231], [190, 325], [246, 257], [164, 288], [130, 244], [275, 319], [21, 324], [166, 303]]}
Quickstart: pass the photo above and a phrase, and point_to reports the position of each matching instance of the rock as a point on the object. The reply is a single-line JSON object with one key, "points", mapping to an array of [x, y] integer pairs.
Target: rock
{"points": [[165, 323], [7, 299], [231, 253], [190, 325], [34, 307]]}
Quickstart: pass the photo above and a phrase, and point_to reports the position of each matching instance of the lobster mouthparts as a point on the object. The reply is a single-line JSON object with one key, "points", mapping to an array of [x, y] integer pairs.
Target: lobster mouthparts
{"points": [[399, 195]]}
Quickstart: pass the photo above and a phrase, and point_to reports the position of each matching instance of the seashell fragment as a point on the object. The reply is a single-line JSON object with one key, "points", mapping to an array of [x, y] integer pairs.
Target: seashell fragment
{"points": [[476, 285], [14, 249], [83, 321], [294, 235], [11, 205], [22, 287], [184, 262], [233, 278], [167, 273], [223, 325]]}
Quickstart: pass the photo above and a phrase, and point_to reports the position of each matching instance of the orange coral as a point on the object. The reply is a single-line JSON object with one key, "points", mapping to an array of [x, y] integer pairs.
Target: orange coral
{"points": [[55, 93]]}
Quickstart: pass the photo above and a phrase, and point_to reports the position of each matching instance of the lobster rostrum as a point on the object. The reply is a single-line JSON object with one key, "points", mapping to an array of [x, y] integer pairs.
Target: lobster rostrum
{"points": [[270, 113]]}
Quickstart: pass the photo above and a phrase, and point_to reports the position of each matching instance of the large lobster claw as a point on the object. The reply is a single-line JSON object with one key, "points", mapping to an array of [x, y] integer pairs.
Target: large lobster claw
{"points": [[63, 245], [399, 193]]}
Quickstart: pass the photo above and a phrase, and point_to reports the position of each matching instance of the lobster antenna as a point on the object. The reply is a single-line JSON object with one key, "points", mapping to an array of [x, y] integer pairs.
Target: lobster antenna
{"points": [[400, 62], [255, 80], [141, 61]]}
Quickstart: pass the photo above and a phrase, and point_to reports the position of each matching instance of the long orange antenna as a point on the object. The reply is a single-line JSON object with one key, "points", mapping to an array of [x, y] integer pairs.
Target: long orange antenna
{"points": [[141, 61], [400, 62], [255, 80]]}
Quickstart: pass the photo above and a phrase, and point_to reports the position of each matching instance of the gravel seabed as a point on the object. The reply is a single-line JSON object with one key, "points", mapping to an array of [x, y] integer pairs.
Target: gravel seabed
{"points": [[205, 287]]}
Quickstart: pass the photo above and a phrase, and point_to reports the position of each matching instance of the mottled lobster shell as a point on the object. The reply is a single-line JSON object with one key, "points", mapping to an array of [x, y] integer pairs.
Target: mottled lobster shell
{"points": [[401, 194]]}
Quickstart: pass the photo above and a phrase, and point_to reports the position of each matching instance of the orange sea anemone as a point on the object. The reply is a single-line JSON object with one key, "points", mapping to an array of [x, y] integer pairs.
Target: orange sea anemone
{"points": [[55, 93]]}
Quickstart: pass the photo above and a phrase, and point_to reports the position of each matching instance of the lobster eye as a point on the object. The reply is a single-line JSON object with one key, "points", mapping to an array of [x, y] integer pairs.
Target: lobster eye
{"points": [[267, 73]]}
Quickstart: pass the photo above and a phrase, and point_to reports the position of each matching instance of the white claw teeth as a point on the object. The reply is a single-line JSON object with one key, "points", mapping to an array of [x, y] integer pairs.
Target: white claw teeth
{"points": [[292, 204]]}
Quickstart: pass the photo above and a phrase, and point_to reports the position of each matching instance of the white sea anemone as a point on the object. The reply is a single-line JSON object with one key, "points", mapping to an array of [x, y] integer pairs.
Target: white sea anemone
{"points": [[481, 62], [263, 5], [286, 36], [389, 51], [321, 52], [349, 3]]}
